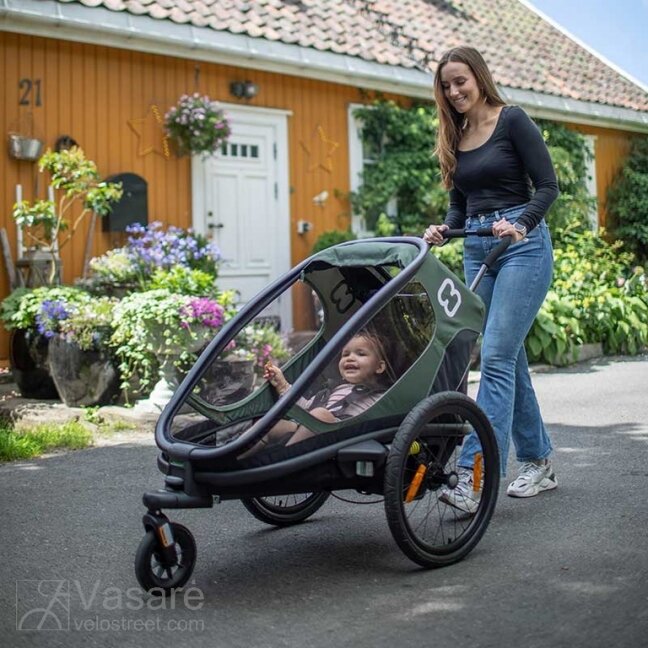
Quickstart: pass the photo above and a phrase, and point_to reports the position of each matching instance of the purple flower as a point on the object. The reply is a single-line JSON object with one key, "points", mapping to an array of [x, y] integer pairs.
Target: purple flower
{"points": [[151, 247], [49, 316], [202, 310]]}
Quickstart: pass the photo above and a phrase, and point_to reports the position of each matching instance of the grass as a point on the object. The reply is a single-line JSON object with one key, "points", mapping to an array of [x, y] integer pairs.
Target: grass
{"points": [[106, 428], [34, 441]]}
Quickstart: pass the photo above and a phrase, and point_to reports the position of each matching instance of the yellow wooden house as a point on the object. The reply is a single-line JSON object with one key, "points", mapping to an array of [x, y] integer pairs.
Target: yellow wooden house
{"points": [[288, 73]]}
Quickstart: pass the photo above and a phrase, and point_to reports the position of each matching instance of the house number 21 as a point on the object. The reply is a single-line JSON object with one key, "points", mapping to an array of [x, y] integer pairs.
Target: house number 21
{"points": [[30, 92]]}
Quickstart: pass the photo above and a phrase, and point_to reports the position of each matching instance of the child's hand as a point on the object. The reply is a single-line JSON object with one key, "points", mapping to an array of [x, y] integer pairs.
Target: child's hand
{"points": [[275, 377]]}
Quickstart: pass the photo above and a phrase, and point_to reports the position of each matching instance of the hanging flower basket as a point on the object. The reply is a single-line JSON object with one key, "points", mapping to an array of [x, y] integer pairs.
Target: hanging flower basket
{"points": [[24, 148], [196, 125]]}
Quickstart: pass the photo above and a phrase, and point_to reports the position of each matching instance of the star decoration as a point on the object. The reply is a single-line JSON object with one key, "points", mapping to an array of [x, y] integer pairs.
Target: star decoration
{"points": [[150, 132], [319, 151]]}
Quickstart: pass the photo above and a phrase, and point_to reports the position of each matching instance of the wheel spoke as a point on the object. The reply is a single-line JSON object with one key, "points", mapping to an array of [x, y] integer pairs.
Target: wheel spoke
{"points": [[428, 529]]}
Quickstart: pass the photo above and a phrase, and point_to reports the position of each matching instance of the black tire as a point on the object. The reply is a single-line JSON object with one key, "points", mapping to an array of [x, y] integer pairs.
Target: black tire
{"points": [[428, 531], [284, 510], [150, 571]]}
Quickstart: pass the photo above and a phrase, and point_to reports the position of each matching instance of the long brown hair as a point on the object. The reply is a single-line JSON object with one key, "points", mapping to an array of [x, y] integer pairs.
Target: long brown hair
{"points": [[451, 122]]}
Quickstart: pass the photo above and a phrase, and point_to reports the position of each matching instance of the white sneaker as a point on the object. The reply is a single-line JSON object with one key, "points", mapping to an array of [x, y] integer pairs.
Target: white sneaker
{"points": [[535, 477], [463, 495]]}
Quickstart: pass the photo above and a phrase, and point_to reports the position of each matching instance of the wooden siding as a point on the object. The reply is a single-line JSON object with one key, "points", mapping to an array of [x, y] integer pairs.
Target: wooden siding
{"points": [[91, 92]]}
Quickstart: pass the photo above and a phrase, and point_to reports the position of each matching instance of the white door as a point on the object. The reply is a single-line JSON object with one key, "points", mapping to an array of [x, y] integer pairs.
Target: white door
{"points": [[240, 198]]}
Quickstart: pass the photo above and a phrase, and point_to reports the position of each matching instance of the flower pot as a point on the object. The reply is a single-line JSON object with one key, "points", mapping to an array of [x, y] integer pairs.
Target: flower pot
{"points": [[24, 148], [83, 378], [28, 353], [180, 148], [169, 375]]}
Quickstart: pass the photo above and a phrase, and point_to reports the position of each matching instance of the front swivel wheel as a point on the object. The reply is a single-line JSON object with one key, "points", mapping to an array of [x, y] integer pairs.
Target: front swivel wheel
{"points": [[160, 569]]}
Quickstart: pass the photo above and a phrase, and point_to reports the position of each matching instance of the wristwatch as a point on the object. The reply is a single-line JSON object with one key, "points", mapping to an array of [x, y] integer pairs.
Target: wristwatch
{"points": [[521, 229]]}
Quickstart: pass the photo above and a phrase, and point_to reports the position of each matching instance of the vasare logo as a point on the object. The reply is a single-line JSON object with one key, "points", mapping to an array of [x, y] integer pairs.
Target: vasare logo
{"points": [[43, 605], [449, 297]]}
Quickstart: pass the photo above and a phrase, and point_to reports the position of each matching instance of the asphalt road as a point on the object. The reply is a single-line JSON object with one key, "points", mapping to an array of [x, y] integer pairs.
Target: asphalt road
{"points": [[567, 568]]}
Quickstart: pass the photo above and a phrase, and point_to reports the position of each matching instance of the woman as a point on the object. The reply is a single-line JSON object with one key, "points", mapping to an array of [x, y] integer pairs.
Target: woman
{"points": [[490, 154]]}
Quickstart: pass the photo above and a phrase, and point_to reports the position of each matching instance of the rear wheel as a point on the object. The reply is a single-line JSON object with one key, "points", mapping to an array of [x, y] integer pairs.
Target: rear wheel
{"points": [[284, 510], [422, 463]]}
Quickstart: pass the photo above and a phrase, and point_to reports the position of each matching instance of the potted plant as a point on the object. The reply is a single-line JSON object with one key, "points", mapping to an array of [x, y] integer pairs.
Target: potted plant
{"points": [[48, 225], [113, 274], [32, 316], [157, 331], [196, 125], [83, 368]]}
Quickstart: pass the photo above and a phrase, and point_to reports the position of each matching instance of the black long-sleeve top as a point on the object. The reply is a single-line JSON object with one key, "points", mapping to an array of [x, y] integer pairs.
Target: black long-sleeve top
{"points": [[503, 172]]}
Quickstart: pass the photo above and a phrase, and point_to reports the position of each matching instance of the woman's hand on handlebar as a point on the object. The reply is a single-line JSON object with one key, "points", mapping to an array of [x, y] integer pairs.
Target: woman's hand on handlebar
{"points": [[502, 228], [433, 235]]}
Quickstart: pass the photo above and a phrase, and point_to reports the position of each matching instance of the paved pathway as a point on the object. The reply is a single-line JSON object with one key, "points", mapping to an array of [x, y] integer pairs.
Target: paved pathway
{"points": [[568, 568]]}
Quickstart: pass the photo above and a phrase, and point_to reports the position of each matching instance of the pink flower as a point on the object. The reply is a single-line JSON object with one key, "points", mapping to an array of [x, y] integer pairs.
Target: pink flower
{"points": [[202, 310]]}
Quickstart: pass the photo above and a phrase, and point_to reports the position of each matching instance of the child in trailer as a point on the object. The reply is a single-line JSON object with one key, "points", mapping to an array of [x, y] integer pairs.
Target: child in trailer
{"points": [[366, 376]]}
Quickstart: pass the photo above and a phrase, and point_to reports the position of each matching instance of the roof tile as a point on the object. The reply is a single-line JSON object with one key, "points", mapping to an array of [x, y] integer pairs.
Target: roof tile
{"points": [[522, 50]]}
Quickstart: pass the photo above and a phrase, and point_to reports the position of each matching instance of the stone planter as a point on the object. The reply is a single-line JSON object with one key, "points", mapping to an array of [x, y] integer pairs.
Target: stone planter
{"points": [[165, 387], [82, 378], [28, 359]]}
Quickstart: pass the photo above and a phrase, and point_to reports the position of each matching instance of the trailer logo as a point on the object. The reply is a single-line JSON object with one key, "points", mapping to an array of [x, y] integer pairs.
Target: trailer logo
{"points": [[449, 297], [342, 297]]}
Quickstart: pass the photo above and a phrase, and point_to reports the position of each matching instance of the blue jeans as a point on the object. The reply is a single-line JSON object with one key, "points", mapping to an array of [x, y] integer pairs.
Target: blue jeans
{"points": [[513, 291]]}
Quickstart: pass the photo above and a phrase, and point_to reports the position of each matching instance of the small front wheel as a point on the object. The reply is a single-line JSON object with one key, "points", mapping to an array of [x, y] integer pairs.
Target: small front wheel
{"points": [[284, 510], [422, 468], [159, 571]]}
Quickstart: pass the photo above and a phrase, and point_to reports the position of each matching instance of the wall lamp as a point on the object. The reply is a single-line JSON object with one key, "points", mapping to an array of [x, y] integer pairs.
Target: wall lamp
{"points": [[244, 89]]}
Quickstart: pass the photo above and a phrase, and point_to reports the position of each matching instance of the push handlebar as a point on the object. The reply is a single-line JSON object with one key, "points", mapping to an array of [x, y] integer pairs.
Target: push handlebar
{"points": [[494, 254], [462, 233]]}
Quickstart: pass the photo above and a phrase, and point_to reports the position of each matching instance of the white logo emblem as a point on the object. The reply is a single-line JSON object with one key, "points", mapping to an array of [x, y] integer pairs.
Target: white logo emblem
{"points": [[447, 295]]}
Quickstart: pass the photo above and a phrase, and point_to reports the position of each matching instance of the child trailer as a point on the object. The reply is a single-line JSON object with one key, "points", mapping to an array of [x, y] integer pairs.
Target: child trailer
{"points": [[404, 447]]}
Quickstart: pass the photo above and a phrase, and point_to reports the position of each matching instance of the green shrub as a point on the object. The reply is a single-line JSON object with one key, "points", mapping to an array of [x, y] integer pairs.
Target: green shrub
{"points": [[599, 294], [627, 200], [332, 237], [570, 156], [399, 141], [185, 281], [21, 307]]}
